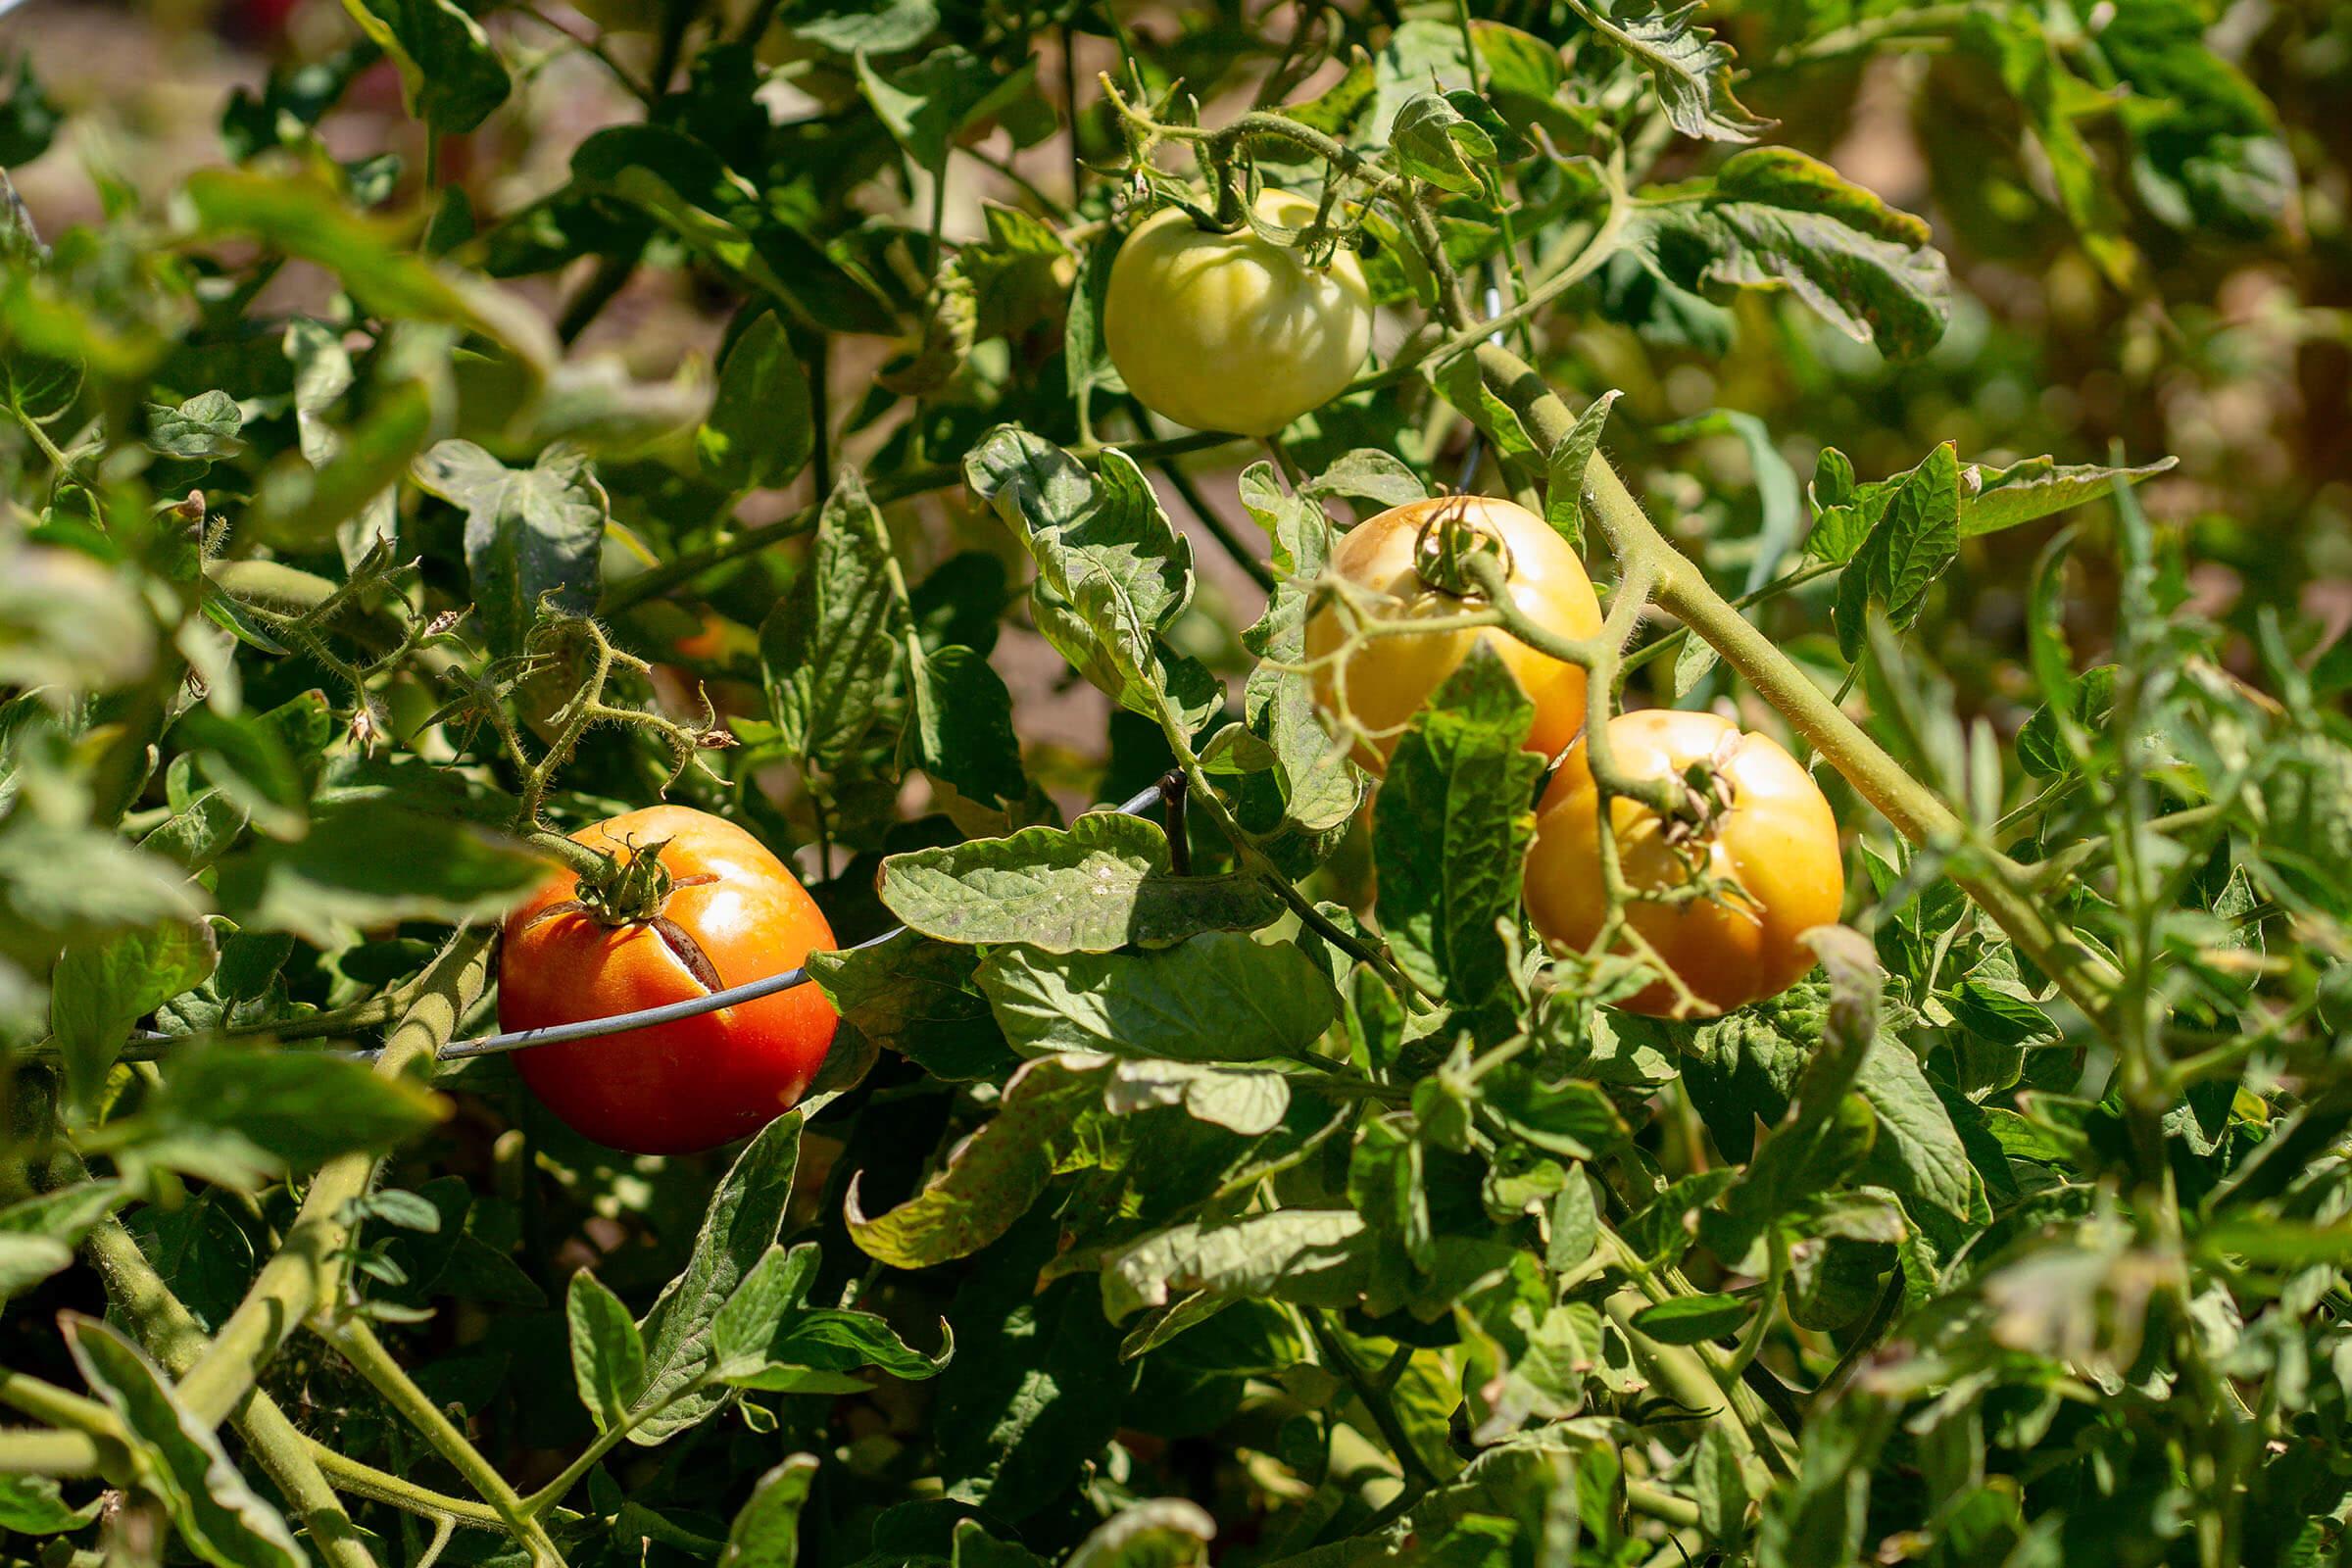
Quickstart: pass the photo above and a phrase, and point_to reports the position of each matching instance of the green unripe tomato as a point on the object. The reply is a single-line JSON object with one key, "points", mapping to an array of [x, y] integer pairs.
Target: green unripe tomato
{"points": [[1229, 332]]}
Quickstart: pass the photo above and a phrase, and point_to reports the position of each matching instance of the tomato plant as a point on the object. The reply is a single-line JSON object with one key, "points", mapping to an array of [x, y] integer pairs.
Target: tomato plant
{"points": [[870, 783]]}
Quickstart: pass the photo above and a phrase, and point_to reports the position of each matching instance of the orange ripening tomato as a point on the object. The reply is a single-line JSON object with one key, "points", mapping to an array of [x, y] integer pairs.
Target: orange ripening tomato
{"points": [[1386, 679], [1761, 828], [713, 909]]}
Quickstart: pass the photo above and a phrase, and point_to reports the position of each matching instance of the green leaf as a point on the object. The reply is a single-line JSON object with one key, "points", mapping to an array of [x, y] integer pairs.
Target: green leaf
{"points": [[776, 1286], [1020, 1423], [1113, 572], [1776, 485], [24, 1261], [1250, 1103], [205, 426], [531, 534], [1434, 141], [737, 1229], [1453, 828], [62, 885], [760, 431], [34, 1506], [992, 1177], [102, 987], [1908, 547], [1101, 884], [1101, 540], [364, 864], [828, 652], [1319, 790], [39, 1235], [450, 77], [767, 1531], [768, 1337], [1693, 1319], [1087, 367], [66, 622], [961, 729], [1773, 217], [920, 997], [1690, 70], [1918, 1152], [1565, 465], [237, 1114], [928, 105], [607, 1358], [2209, 152], [1159, 1532], [1316, 1257], [2034, 488], [178, 1459], [1217, 997], [305, 218], [1720, 1486], [686, 188]]}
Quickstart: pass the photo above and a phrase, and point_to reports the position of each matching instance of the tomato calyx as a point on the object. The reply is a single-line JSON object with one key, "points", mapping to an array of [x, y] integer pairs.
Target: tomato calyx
{"points": [[632, 887], [1446, 545]]}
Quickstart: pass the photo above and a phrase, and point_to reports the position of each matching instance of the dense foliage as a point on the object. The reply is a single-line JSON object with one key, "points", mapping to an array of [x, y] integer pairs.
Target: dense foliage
{"points": [[520, 415]]}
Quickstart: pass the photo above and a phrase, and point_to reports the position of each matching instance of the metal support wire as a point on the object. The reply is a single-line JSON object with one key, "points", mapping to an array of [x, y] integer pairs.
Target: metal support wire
{"points": [[671, 1012], [692, 1006]]}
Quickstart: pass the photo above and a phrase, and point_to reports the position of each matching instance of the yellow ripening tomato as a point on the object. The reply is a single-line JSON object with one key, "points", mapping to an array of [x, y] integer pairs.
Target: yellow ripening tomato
{"points": [[1386, 679], [1759, 826], [1228, 332]]}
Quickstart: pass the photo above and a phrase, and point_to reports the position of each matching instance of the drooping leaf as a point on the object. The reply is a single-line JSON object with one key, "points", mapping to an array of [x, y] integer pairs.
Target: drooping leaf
{"points": [[759, 432], [1217, 996], [1690, 70], [1317, 1257], [1452, 827], [992, 1177], [921, 998], [737, 1229], [449, 74], [830, 648], [1101, 884], [1773, 217], [532, 535], [178, 1458]]}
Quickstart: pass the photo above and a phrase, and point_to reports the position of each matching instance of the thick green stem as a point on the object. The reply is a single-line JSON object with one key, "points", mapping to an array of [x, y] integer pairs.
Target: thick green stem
{"points": [[306, 1275], [547, 1496], [64, 1454], [398, 1491], [367, 1356], [1375, 1399], [173, 1337]]}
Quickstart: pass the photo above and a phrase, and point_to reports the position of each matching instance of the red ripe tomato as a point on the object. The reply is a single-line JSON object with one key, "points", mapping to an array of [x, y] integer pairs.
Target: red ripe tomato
{"points": [[719, 912]]}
